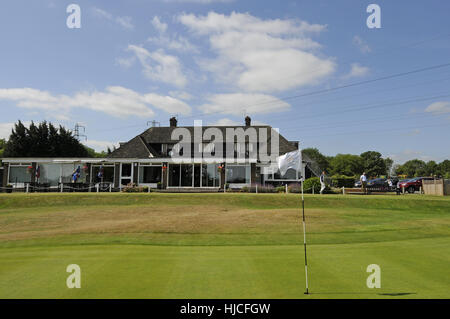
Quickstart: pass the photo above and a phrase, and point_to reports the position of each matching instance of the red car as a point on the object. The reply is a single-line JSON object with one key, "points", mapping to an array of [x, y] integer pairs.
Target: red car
{"points": [[414, 184]]}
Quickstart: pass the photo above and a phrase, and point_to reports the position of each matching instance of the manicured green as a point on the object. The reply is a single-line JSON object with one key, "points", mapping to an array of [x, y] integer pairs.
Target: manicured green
{"points": [[223, 245]]}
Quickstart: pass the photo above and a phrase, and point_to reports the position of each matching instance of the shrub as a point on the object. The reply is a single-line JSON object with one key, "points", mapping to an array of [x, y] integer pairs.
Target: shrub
{"points": [[311, 183], [343, 181], [280, 189], [133, 188], [244, 189], [295, 188]]}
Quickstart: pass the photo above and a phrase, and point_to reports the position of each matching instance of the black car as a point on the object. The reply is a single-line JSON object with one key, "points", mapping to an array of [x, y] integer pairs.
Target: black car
{"points": [[377, 182], [380, 183]]}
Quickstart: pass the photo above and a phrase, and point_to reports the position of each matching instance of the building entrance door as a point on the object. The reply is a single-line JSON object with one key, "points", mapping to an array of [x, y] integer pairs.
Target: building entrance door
{"points": [[126, 174]]}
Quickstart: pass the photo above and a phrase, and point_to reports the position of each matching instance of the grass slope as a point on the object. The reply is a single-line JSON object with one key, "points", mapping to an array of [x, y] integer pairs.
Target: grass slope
{"points": [[222, 245]]}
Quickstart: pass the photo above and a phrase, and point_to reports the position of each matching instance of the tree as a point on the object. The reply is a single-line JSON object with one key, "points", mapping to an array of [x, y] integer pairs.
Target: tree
{"points": [[347, 164], [374, 164], [43, 140], [389, 162], [2, 148], [93, 153], [412, 168], [431, 168], [444, 168], [319, 158]]}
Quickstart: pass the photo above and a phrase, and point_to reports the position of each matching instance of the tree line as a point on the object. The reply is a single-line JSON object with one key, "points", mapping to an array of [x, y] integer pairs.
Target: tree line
{"points": [[44, 140], [373, 164]]}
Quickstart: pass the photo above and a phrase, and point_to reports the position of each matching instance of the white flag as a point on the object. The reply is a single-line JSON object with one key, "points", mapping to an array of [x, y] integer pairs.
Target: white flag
{"points": [[290, 160]]}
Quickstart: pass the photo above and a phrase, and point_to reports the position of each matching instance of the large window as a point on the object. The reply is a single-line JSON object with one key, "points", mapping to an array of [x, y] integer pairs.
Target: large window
{"points": [[197, 175], [150, 174], [194, 175], [54, 174], [186, 175], [108, 173], [18, 174], [174, 175], [238, 174], [50, 173], [210, 175], [67, 171]]}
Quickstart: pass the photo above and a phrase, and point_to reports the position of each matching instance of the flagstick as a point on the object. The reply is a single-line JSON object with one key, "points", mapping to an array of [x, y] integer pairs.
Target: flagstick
{"points": [[304, 240]]}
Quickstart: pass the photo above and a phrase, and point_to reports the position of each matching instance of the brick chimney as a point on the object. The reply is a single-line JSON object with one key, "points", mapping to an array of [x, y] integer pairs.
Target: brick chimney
{"points": [[248, 121], [173, 122]]}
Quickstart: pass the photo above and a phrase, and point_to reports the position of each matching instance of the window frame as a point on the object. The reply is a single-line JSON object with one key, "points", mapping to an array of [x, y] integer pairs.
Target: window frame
{"points": [[143, 165]]}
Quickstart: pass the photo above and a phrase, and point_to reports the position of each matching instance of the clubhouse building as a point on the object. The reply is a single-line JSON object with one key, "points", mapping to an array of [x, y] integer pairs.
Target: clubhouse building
{"points": [[205, 159]]}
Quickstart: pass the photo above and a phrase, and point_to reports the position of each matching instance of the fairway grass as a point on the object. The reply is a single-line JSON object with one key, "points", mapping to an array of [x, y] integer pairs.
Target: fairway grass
{"points": [[222, 245]]}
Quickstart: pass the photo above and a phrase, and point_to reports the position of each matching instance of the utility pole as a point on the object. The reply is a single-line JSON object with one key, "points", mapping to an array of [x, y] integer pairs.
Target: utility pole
{"points": [[76, 131], [154, 123]]}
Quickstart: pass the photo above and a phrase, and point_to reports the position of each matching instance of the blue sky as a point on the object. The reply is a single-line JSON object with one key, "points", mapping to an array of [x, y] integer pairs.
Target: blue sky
{"points": [[136, 61]]}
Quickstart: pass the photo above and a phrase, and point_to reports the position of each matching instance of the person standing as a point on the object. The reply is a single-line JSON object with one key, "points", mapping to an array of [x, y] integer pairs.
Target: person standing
{"points": [[322, 182], [397, 188], [363, 180], [390, 184]]}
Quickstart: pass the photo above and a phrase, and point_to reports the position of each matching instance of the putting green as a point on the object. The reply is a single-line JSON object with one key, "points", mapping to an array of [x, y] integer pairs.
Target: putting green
{"points": [[222, 246]]}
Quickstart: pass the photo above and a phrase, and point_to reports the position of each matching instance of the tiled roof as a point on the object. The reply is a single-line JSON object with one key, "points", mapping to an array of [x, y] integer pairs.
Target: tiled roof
{"points": [[139, 147]]}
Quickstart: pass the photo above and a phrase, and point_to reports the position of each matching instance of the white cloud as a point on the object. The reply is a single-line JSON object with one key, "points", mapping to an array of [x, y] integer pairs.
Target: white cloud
{"points": [[158, 25], [261, 55], [100, 146], [176, 43], [34, 99], [356, 70], [114, 100], [102, 13], [171, 42], [124, 21], [438, 108], [6, 128], [361, 44], [167, 103], [215, 22], [126, 62], [185, 96], [159, 66], [225, 122], [241, 103]]}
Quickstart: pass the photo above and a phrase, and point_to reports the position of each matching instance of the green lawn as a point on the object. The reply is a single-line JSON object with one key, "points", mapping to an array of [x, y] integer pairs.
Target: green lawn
{"points": [[223, 245]]}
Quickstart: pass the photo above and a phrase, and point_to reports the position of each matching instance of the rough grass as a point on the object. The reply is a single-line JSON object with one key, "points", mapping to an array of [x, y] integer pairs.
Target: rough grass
{"points": [[222, 245]]}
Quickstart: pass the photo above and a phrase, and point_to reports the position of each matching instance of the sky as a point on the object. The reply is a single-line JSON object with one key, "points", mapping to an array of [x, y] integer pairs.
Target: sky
{"points": [[313, 69]]}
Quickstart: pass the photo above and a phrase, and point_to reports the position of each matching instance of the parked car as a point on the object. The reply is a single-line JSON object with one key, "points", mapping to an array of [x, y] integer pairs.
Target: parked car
{"points": [[414, 184], [379, 183], [394, 181], [370, 182]]}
